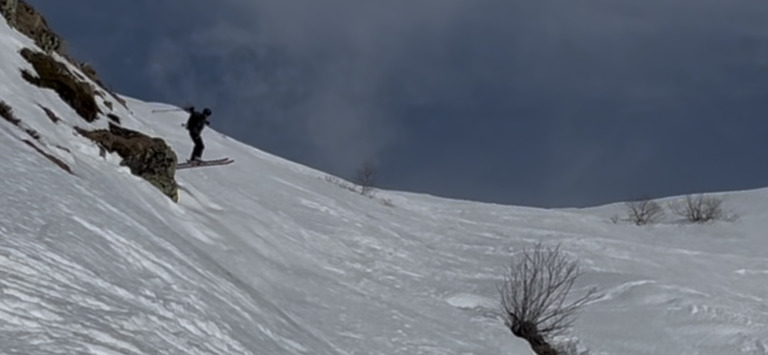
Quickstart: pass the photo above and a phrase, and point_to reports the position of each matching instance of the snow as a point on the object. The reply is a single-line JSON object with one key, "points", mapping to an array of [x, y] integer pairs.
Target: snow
{"points": [[265, 256]]}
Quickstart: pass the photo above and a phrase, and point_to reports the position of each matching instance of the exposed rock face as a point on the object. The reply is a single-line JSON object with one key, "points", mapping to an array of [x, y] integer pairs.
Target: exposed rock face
{"points": [[147, 157], [31, 23], [9, 11], [28, 21], [54, 75]]}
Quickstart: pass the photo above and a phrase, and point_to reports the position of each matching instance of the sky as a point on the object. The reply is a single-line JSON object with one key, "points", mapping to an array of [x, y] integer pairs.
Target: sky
{"points": [[542, 103]]}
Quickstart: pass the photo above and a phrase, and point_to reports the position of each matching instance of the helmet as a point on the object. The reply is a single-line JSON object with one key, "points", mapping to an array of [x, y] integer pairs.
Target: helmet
{"points": [[207, 111]]}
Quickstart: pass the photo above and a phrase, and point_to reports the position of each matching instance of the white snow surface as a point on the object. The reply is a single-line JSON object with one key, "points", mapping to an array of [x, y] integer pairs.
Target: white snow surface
{"points": [[265, 256]]}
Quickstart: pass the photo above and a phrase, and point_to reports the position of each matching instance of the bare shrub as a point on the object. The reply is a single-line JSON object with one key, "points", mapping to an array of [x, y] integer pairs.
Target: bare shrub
{"points": [[700, 209], [644, 211], [366, 178], [535, 295]]}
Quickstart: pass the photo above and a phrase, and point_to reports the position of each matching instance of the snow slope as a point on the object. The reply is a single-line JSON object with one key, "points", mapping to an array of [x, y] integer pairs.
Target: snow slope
{"points": [[265, 256]]}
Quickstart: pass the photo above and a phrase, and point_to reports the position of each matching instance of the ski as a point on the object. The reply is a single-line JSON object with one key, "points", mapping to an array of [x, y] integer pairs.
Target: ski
{"points": [[202, 163]]}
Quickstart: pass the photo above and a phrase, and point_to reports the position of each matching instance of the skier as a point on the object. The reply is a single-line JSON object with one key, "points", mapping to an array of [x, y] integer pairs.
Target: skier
{"points": [[195, 124]]}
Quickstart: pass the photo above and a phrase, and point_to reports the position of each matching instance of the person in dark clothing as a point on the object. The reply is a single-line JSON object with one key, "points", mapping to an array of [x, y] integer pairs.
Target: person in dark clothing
{"points": [[195, 124]]}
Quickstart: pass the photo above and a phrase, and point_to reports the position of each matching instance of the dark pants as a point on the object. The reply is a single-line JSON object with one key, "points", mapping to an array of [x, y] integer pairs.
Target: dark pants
{"points": [[197, 151]]}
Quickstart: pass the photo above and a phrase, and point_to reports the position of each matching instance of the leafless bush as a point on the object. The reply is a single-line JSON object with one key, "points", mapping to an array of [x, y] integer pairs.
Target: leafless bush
{"points": [[700, 209], [535, 295], [644, 211], [366, 178]]}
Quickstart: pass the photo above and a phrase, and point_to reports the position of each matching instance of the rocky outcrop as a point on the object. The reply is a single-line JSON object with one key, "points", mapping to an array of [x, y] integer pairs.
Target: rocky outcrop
{"points": [[147, 157], [54, 75], [24, 18], [28, 21]]}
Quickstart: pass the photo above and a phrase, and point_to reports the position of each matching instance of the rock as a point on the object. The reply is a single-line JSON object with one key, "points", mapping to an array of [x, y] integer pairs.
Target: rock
{"points": [[147, 157]]}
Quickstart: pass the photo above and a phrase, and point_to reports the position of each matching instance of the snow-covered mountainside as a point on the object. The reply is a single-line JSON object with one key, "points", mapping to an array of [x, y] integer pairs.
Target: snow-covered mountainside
{"points": [[265, 256]]}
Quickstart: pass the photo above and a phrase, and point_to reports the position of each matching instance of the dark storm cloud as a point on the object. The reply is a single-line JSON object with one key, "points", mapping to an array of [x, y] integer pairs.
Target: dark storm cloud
{"points": [[314, 71], [536, 102]]}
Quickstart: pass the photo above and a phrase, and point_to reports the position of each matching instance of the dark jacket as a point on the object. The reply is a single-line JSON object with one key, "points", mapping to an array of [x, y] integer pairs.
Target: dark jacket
{"points": [[197, 120]]}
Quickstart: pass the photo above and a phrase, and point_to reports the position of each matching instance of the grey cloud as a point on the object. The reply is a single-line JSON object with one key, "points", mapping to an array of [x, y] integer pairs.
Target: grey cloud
{"points": [[359, 26], [318, 66]]}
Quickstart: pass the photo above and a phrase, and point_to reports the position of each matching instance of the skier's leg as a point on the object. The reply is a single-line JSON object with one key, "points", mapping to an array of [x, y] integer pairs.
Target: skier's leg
{"points": [[197, 151], [192, 136], [199, 146]]}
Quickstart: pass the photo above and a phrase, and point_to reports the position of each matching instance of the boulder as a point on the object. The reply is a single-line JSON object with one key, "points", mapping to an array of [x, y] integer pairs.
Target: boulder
{"points": [[147, 157]]}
